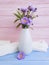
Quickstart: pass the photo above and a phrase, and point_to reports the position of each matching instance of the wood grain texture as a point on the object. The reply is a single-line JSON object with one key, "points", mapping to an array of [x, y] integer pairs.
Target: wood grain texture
{"points": [[8, 21], [24, 1], [8, 28], [10, 12]]}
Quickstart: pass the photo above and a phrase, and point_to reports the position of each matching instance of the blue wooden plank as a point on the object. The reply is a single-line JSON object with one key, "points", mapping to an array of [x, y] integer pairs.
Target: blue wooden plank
{"points": [[35, 58]]}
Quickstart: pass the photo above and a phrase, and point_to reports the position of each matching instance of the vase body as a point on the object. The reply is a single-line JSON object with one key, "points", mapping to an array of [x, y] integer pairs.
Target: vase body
{"points": [[25, 41]]}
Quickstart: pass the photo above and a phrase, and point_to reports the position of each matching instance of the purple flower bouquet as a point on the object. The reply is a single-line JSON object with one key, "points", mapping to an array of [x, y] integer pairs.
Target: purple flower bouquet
{"points": [[25, 16]]}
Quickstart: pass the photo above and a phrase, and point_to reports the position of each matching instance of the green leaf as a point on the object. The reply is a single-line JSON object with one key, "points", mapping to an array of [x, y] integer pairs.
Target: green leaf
{"points": [[18, 25], [22, 15], [19, 13], [16, 20], [18, 16], [25, 26]]}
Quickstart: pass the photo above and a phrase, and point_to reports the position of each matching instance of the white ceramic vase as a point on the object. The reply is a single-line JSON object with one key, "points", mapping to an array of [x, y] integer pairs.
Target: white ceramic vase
{"points": [[25, 41]]}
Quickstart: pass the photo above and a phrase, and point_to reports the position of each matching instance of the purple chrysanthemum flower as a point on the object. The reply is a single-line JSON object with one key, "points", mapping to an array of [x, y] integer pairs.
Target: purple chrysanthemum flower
{"points": [[25, 20], [23, 10], [32, 9], [20, 56]]}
